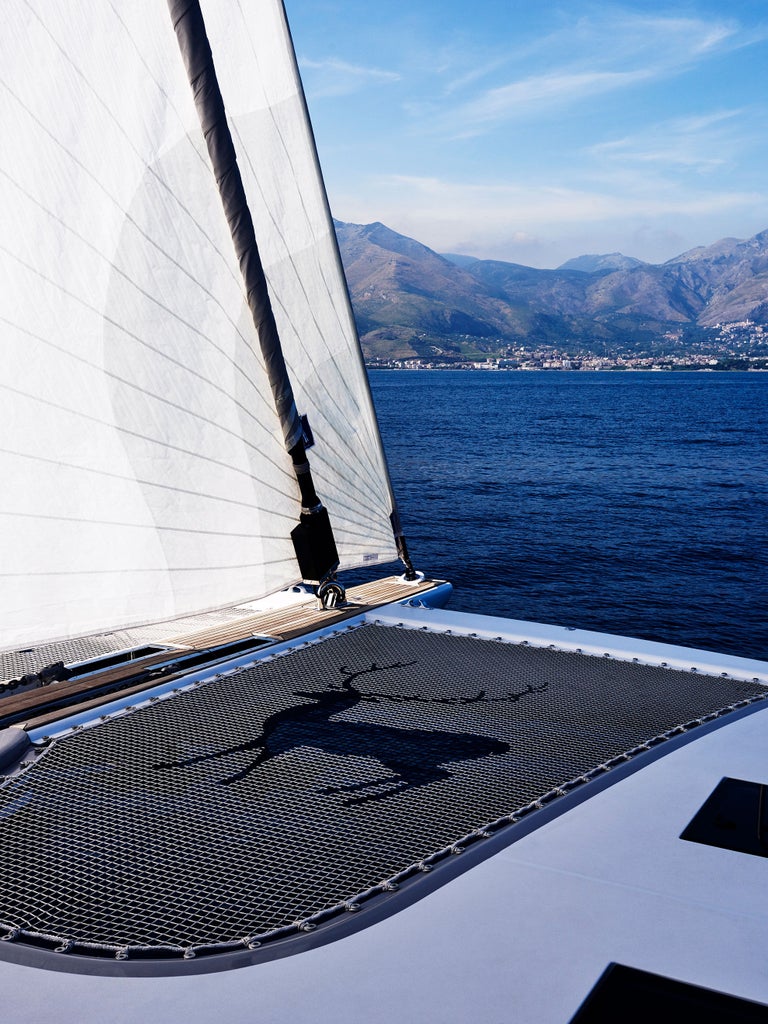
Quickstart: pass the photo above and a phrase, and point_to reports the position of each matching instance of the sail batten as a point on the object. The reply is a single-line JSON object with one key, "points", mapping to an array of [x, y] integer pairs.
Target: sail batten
{"points": [[138, 414]]}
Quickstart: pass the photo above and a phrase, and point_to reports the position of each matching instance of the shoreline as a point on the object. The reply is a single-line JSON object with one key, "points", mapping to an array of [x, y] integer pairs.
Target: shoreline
{"points": [[568, 369]]}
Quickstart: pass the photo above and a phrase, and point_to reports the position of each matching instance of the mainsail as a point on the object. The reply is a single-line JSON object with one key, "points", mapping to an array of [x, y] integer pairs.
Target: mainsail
{"points": [[143, 466]]}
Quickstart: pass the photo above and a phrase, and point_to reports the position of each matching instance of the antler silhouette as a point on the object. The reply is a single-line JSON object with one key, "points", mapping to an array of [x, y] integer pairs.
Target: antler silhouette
{"points": [[414, 757], [346, 684], [479, 698]]}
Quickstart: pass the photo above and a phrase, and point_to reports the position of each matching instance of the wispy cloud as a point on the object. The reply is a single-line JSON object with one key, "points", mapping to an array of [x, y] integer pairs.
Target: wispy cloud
{"points": [[560, 86], [702, 144], [604, 52], [482, 69], [520, 221], [334, 77], [525, 204], [583, 124], [619, 36]]}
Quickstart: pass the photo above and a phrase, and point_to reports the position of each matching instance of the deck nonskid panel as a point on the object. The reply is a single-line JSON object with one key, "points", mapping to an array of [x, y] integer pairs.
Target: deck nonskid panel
{"points": [[86, 671]]}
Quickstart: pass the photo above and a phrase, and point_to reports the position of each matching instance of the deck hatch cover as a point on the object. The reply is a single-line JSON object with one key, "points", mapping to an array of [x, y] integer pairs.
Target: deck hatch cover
{"points": [[236, 810], [632, 996], [733, 817]]}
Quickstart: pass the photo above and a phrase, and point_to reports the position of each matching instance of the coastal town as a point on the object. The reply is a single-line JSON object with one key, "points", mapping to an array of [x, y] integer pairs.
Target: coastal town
{"points": [[736, 346]]}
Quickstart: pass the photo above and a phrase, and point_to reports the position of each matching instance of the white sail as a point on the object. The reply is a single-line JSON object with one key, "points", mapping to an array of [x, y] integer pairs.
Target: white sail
{"points": [[143, 469]]}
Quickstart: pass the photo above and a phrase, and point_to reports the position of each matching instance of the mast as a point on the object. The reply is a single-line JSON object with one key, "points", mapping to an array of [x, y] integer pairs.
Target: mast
{"points": [[313, 537]]}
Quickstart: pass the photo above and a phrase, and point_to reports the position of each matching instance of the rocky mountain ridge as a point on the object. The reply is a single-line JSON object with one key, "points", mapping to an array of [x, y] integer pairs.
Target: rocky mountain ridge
{"points": [[410, 301]]}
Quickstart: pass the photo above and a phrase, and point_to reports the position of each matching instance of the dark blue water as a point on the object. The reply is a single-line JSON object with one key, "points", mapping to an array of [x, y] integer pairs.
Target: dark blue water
{"points": [[632, 503]]}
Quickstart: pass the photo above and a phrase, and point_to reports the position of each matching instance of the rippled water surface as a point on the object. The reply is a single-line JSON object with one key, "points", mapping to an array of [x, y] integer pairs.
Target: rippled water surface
{"points": [[632, 503]]}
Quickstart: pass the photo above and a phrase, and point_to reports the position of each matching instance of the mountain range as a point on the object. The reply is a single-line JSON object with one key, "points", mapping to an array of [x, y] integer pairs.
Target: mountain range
{"points": [[410, 301]]}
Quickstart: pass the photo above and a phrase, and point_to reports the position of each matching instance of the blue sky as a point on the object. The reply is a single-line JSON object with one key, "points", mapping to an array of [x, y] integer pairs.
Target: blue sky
{"points": [[537, 131]]}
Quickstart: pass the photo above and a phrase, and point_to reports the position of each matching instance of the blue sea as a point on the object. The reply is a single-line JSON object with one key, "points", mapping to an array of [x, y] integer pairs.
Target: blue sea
{"points": [[631, 503]]}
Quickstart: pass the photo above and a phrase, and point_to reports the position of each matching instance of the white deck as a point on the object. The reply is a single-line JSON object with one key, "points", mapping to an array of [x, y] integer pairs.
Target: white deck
{"points": [[523, 936]]}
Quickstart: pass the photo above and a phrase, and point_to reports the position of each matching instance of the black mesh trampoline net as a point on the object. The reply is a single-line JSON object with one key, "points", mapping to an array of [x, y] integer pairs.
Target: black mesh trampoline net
{"points": [[262, 799]]}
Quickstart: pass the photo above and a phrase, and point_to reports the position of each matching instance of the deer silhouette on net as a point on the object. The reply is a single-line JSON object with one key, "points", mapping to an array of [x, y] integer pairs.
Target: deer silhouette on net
{"points": [[412, 757]]}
